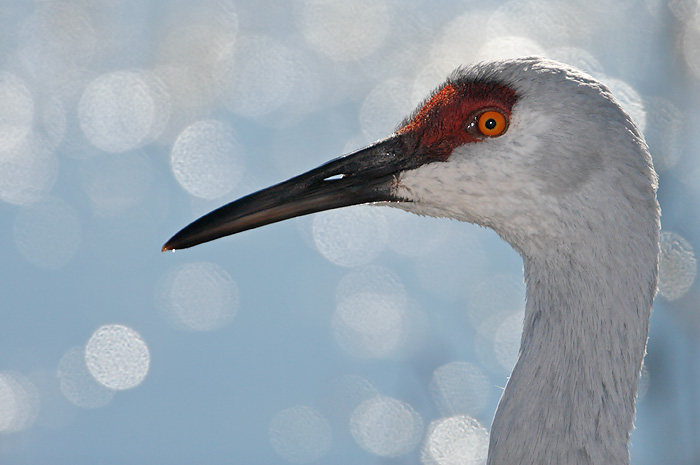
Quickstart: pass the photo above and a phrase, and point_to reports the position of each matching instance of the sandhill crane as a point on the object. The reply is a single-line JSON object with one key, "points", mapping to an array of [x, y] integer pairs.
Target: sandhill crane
{"points": [[545, 156]]}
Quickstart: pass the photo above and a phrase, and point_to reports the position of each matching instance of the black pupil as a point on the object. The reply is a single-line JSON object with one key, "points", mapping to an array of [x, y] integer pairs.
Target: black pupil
{"points": [[490, 124]]}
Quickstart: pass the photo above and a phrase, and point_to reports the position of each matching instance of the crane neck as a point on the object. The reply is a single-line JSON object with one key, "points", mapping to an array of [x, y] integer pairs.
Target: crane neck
{"points": [[570, 398]]}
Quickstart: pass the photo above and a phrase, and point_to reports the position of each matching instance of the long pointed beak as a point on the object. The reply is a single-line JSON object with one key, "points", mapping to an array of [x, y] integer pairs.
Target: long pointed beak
{"points": [[361, 177]]}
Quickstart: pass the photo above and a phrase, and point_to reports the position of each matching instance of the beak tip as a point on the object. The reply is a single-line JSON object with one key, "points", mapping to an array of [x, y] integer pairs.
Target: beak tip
{"points": [[167, 247]]}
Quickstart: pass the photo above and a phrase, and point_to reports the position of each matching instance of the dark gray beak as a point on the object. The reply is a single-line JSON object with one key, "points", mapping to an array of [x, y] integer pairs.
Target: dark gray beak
{"points": [[361, 177]]}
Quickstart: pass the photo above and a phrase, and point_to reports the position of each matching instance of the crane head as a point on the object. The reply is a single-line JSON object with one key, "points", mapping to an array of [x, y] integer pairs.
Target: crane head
{"points": [[527, 147]]}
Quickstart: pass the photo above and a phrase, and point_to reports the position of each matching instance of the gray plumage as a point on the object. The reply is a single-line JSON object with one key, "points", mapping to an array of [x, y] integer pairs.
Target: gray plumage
{"points": [[571, 187]]}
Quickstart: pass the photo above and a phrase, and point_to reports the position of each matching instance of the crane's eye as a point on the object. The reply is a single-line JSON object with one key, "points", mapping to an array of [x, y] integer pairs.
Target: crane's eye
{"points": [[492, 123]]}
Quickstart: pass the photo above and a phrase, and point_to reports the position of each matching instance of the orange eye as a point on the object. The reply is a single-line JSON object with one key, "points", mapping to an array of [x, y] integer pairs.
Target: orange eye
{"points": [[492, 123]]}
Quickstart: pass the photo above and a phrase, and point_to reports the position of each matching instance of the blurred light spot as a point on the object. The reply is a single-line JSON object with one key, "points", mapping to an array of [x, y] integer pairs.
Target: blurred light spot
{"points": [[117, 357], [350, 236], [456, 44], [117, 111], [457, 440], [207, 160], [500, 48], [300, 434], [48, 233], [259, 73], [55, 412], [162, 106], [690, 44], [384, 108], [545, 22], [74, 144], [371, 318], [19, 402], [629, 99], [191, 56], [507, 340], [201, 34], [371, 280], [344, 394], [52, 121], [370, 325], [386, 427], [198, 296], [78, 385], [56, 39], [344, 31], [114, 184], [303, 98], [450, 269], [28, 171], [460, 388], [412, 235], [677, 266], [495, 295], [484, 346], [16, 111], [687, 169], [191, 97], [681, 9], [664, 132]]}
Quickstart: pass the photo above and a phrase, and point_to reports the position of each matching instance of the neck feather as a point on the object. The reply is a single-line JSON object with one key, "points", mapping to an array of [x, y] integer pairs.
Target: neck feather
{"points": [[570, 398]]}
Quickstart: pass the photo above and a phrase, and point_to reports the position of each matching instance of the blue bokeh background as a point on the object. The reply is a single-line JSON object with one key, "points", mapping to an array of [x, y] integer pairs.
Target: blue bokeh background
{"points": [[121, 121]]}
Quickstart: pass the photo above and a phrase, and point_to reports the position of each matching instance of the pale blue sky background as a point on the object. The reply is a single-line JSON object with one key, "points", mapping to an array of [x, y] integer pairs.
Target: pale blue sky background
{"points": [[123, 120]]}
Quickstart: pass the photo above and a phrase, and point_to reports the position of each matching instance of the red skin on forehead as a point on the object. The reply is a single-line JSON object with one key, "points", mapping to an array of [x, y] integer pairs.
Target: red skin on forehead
{"points": [[441, 123]]}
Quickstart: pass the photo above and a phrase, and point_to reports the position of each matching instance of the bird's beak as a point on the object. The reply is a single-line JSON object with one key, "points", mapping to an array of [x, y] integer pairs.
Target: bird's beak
{"points": [[360, 177]]}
